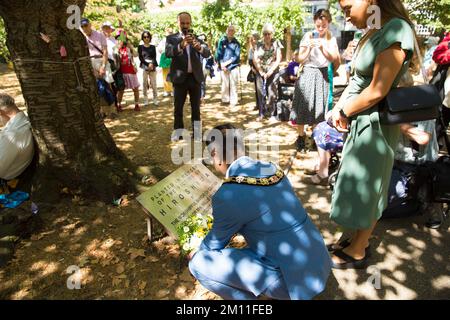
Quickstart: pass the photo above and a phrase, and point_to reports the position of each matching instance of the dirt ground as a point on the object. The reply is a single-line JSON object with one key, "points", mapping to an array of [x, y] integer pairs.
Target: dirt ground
{"points": [[110, 246]]}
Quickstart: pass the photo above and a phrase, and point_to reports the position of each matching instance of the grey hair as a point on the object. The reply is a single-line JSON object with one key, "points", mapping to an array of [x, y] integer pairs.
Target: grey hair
{"points": [[268, 27], [256, 35], [7, 102]]}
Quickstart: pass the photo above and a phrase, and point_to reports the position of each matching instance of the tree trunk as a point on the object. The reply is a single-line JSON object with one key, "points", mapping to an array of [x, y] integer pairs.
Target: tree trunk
{"points": [[288, 44], [75, 148]]}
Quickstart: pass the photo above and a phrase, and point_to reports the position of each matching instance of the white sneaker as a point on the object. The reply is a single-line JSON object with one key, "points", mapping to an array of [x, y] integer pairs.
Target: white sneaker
{"points": [[145, 101], [155, 102], [166, 94], [171, 94]]}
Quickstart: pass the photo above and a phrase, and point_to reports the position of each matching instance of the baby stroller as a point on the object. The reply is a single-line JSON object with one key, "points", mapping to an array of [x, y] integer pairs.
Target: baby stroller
{"points": [[285, 95]]}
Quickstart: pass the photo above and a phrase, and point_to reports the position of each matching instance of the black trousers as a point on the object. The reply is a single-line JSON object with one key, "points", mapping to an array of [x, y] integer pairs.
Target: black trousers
{"points": [[267, 96], [181, 90]]}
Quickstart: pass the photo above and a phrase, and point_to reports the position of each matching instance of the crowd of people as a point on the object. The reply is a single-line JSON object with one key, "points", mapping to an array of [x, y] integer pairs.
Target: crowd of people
{"points": [[285, 257]]}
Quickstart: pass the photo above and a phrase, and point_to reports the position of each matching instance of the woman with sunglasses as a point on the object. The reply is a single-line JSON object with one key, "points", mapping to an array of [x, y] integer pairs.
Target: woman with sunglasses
{"points": [[267, 58], [147, 56]]}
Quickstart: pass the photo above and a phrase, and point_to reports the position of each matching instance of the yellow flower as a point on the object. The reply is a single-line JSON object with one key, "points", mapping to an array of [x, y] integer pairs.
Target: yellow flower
{"points": [[251, 180]]}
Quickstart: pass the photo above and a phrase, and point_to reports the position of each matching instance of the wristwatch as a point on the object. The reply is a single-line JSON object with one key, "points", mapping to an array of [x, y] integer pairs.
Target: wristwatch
{"points": [[342, 113]]}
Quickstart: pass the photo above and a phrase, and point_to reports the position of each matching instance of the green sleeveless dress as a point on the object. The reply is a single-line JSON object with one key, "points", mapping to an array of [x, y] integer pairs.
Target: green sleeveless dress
{"points": [[360, 194]]}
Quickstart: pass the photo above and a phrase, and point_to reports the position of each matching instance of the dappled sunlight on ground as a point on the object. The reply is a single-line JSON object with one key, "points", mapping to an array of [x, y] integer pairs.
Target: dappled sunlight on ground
{"points": [[110, 247]]}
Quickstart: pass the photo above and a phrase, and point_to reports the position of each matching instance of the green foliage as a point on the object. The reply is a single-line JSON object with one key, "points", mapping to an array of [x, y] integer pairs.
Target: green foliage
{"points": [[433, 13], [4, 53], [217, 15]]}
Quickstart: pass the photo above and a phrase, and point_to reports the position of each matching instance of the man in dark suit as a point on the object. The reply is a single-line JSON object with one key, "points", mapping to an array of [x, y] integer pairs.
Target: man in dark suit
{"points": [[186, 72]]}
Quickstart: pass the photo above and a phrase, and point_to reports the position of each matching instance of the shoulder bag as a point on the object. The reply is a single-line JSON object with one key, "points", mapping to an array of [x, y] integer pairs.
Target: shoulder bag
{"points": [[411, 104]]}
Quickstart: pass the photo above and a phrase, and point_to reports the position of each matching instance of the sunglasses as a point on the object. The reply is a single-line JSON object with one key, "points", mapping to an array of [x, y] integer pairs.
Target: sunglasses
{"points": [[267, 34], [146, 37]]}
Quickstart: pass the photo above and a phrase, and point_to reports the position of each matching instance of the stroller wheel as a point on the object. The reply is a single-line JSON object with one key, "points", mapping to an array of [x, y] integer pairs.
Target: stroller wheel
{"points": [[332, 180]]}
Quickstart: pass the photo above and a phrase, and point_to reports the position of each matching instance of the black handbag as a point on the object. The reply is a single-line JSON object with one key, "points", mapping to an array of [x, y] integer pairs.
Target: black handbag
{"points": [[251, 76], [405, 105], [410, 104]]}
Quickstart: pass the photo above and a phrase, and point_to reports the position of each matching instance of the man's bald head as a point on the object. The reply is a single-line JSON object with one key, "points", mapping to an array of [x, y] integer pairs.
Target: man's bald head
{"points": [[184, 21]]}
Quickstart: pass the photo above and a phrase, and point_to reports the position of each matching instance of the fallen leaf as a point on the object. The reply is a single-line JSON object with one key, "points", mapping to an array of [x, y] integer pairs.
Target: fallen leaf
{"points": [[36, 237], [116, 281], [134, 253], [142, 284], [120, 268], [151, 259], [83, 261]]}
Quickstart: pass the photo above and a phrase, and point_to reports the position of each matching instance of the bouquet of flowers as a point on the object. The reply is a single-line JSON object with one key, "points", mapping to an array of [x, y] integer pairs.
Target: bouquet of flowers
{"points": [[192, 231]]}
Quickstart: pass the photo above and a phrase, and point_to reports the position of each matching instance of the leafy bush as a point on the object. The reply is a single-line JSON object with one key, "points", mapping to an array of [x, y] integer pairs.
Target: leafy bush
{"points": [[4, 53]]}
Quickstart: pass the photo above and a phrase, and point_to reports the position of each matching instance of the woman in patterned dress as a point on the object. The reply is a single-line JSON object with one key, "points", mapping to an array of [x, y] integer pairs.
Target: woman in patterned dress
{"points": [[317, 50]]}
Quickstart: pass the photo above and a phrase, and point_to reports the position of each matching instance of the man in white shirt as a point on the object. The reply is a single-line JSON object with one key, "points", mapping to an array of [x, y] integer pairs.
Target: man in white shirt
{"points": [[16, 139], [186, 71]]}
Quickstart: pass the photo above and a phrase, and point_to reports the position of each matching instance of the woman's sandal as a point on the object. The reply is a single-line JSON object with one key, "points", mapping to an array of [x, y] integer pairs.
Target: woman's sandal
{"points": [[344, 244], [317, 180], [349, 262]]}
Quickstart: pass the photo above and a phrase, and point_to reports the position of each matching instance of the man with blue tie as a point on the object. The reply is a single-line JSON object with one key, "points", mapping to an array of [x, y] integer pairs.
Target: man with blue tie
{"points": [[285, 258], [186, 70]]}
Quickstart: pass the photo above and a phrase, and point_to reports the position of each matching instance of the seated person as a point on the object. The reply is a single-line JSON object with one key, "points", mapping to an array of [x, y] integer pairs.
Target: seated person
{"points": [[417, 145], [16, 139], [293, 68], [328, 140], [285, 257]]}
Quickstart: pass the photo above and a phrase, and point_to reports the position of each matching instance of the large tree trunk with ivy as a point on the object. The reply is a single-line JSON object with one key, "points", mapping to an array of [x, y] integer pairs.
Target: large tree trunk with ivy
{"points": [[75, 148]]}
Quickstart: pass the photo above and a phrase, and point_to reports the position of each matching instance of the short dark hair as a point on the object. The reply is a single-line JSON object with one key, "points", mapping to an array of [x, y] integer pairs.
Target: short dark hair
{"points": [[323, 14], [146, 33], [6, 101], [227, 131], [184, 12]]}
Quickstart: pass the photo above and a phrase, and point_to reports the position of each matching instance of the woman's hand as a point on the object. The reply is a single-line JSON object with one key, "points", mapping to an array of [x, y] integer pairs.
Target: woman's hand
{"points": [[267, 75], [338, 121]]}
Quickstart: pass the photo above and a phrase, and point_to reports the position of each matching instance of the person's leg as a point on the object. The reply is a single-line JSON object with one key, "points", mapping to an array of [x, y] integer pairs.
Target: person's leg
{"points": [[145, 76], [194, 97], [154, 86], [260, 96], [167, 90], [272, 94], [136, 99], [225, 76], [324, 162], [120, 96], [358, 244], [237, 274], [256, 95], [234, 79], [180, 93]]}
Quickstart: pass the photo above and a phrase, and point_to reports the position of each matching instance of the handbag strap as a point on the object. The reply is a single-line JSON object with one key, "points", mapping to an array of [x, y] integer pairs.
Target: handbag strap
{"points": [[419, 56]]}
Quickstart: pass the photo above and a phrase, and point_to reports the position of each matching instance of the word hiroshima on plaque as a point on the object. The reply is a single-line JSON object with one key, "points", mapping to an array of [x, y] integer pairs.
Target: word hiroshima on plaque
{"points": [[185, 193]]}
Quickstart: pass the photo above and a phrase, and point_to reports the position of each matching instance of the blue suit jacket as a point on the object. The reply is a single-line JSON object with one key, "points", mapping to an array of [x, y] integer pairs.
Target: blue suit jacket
{"points": [[275, 226]]}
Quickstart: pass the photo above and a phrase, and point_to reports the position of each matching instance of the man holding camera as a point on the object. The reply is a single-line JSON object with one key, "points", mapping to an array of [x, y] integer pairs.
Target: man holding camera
{"points": [[186, 72]]}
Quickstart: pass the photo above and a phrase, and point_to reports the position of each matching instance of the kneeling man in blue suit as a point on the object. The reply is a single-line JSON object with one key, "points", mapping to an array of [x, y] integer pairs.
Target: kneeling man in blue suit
{"points": [[285, 258]]}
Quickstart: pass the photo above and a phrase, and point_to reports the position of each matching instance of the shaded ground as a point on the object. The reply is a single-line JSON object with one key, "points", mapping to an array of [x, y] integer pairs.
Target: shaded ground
{"points": [[110, 245]]}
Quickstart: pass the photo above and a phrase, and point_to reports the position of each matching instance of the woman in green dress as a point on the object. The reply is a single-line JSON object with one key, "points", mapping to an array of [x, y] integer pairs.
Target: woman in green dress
{"points": [[383, 56]]}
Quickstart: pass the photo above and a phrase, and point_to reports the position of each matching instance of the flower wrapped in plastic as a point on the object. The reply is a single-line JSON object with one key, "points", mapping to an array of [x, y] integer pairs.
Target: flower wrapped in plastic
{"points": [[192, 231]]}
